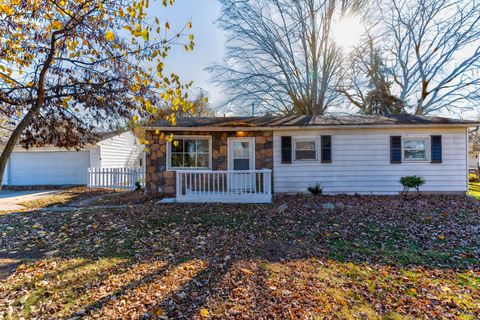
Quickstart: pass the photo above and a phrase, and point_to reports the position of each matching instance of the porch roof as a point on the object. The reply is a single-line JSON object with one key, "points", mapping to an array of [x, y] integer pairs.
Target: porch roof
{"points": [[297, 122]]}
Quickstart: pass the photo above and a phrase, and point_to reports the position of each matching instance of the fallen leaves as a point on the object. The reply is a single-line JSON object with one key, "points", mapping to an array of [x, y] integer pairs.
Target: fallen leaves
{"points": [[246, 271], [248, 261], [203, 313]]}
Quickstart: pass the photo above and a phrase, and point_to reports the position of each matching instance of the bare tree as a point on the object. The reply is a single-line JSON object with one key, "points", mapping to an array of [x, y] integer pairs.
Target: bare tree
{"points": [[367, 84], [281, 54], [434, 47], [474, 135]]}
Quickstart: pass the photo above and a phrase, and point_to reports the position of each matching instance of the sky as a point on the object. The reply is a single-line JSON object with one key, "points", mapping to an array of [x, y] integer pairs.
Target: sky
{"points": [[209, 43]]}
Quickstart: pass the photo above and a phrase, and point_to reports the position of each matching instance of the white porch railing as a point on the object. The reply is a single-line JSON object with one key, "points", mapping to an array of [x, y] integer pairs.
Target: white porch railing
{"points": [[116, 178], [249, 186]]}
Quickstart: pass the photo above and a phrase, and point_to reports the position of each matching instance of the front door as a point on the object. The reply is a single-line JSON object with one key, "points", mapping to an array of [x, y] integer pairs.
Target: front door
{"points": [[241, 158]]}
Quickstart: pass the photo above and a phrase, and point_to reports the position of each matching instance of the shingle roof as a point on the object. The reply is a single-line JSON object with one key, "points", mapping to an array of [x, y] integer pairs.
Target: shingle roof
{"points": [[310, 121]]}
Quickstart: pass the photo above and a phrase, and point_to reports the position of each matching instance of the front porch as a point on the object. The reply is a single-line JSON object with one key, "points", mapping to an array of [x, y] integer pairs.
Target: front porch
{"points": [[226, 186], [211, 166]]}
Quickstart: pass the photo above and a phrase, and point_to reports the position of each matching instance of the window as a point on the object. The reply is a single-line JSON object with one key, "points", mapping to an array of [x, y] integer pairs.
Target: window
{"points": [[189, 153], [305, 149], [241, 155], [415, 149]]}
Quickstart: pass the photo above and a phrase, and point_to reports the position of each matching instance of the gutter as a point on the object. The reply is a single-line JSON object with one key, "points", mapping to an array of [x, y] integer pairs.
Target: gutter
{"points": [[288, 128]]}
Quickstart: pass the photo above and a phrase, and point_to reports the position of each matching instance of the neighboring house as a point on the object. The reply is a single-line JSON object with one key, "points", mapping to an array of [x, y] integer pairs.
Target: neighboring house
{"points": [[246, 159], [54, 166], [473, 155]]}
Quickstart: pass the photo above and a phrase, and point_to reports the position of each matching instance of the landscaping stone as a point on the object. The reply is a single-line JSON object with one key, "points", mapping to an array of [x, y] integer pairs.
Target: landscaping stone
{"points": [[340, 205], [281, 208], [328, 206]]}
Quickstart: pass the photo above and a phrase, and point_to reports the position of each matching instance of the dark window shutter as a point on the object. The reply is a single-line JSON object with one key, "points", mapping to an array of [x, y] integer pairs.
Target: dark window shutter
{"points": [[395, 149], [436, 148], [286, 149], [326, 149]]}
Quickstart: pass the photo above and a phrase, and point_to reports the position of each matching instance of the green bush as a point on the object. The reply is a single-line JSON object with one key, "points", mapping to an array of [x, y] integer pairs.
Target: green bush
{"points": [[315, 189], [411, 182]]}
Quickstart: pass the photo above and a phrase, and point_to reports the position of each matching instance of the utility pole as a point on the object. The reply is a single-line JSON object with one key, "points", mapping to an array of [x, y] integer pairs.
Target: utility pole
{"points": [[253, 109]]}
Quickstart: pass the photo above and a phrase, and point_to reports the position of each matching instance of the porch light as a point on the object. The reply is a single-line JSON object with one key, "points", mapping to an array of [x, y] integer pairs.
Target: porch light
{"points": [[240, 133]]}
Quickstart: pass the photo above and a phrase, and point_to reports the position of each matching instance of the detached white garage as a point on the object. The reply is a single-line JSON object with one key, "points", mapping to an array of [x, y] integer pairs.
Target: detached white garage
{"points": [[54, 166]]}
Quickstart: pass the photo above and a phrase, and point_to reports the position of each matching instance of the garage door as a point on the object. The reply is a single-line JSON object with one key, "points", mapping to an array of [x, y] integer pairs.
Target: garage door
{"points": [[48, 168]]}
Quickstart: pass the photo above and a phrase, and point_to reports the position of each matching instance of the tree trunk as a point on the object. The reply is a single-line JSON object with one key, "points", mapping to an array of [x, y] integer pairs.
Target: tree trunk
{"points": [[12, 140]]}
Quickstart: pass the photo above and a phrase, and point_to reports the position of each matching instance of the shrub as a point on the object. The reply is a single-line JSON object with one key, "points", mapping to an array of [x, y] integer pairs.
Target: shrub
{"points": [[138, 186], [315, 189], [410, 182], [472, 177]]}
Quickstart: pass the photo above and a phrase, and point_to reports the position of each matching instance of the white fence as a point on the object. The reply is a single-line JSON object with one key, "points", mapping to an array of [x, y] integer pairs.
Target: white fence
{"points": [[116, 178], [249, 186]]}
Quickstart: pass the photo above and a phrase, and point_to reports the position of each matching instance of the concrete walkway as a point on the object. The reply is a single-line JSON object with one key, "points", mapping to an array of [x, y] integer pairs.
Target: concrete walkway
{"points": [[9, 199]]}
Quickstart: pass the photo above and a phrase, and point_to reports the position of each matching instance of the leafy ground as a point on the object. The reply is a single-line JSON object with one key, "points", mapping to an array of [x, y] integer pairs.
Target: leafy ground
{"points": [[129, 198], [474, 189], [368, 258]]}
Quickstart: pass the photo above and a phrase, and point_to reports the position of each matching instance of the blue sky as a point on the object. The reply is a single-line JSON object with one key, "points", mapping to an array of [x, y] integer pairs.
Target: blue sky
{"points": [[209, 43]]}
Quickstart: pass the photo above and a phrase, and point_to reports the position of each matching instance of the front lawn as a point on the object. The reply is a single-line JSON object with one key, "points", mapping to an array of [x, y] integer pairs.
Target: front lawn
{"points": [[62, 198], [474, 189], [369, 258]]}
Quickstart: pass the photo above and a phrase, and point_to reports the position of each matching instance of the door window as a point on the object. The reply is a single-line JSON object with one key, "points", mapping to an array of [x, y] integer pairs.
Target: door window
{"points": [[241, 155]]}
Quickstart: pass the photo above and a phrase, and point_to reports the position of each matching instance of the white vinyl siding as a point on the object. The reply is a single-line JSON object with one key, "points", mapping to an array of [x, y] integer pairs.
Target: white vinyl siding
{"points": [[473, 159], [95, 161], [361, 163], [120, 151]]}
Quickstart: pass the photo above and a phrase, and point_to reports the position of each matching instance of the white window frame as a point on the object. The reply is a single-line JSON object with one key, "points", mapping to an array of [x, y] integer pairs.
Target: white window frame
{"points": [[169, 153], [306, 139], [427, 148], [230, 151]]}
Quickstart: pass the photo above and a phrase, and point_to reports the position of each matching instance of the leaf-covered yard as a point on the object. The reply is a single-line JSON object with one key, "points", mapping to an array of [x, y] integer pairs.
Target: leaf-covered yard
{"points": [[474, 189], [368, 258]]}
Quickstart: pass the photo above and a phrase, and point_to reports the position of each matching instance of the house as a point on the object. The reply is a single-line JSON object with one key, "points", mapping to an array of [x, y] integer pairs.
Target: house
{"points": [[473, 156], [246, 159], [50, 165]]}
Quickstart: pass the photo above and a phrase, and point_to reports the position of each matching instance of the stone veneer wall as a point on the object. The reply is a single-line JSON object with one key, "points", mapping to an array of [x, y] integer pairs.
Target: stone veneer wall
{"points": [[158, 179]]}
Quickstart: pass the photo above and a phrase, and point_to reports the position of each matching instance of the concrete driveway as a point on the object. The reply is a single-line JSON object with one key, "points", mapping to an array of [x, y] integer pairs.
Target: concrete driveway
{"points": [[9, 200]]}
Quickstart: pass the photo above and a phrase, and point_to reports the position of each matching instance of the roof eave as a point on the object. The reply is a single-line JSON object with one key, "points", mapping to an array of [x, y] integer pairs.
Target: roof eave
{"points": [[288, 128]]}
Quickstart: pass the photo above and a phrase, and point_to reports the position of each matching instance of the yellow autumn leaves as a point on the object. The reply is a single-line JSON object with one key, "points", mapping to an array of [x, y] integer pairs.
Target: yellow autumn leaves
{"points": [[110, 35], [4, 8], [40, 21], [57, 25]]}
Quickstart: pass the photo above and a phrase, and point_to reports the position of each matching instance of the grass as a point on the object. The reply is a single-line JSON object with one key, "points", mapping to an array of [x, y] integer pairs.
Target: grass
{"points": [[246, 261], [474, 189], [48, 201], [62, 198]]}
